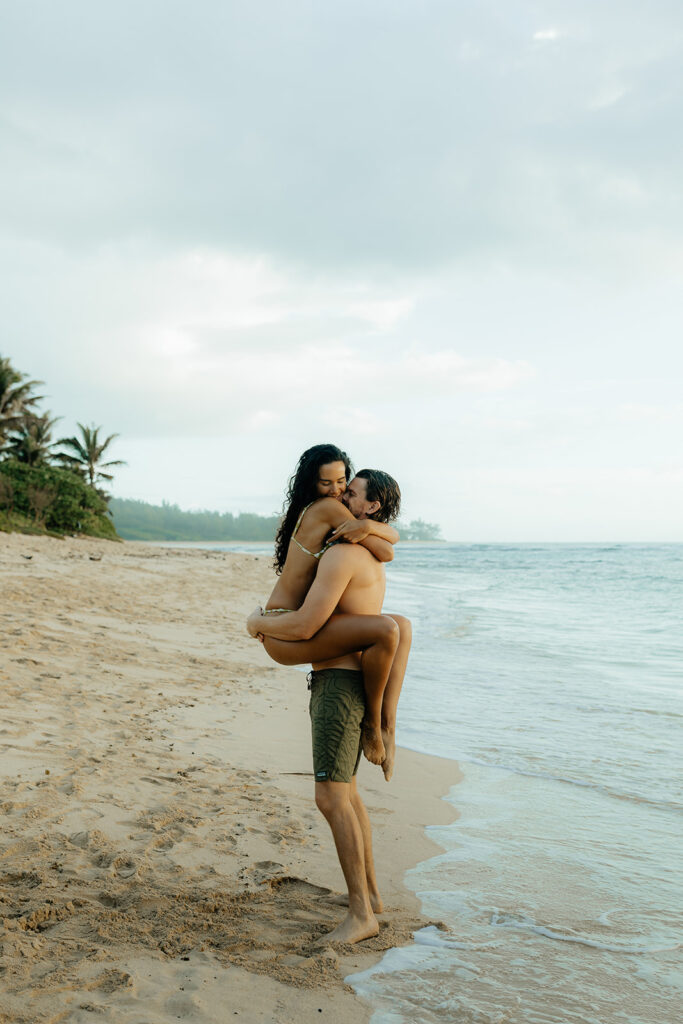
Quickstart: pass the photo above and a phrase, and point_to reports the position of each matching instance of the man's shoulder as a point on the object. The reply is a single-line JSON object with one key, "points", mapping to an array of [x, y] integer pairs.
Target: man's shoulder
{"points": [[352, 555], [342, 550]]}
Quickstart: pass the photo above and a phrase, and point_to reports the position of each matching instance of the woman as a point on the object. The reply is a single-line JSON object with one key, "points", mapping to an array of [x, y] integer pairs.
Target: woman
{"points": [[314, 518]]}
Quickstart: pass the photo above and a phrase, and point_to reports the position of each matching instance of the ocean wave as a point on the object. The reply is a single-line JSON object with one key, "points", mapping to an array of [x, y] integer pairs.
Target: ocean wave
{"points": [[433, 936], [670, 806], [656, 712], [523, 923]]}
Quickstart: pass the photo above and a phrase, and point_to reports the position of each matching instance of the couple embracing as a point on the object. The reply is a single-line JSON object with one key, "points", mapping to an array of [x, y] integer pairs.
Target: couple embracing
{"points": [[325, 610]]}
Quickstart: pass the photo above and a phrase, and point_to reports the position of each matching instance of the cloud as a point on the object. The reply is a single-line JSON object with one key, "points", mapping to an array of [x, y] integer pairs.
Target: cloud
{"points": [[447, 371], [383, 314], [640, 412], [609, 94], [207, 343], [261, 420], [544, 35], [336, 135], [236, 229], [240, 390]]}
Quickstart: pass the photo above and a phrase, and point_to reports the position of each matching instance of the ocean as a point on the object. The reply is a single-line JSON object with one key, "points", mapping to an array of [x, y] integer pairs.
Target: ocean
{"points": [[553, 673]]}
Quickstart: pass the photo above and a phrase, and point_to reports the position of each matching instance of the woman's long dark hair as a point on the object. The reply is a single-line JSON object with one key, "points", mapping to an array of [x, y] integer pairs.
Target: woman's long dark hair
{"points": [[301, 491]]}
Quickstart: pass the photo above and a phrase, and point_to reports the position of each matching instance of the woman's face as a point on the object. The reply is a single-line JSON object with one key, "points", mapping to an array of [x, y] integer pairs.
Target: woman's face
{"points": [[331, 480]]}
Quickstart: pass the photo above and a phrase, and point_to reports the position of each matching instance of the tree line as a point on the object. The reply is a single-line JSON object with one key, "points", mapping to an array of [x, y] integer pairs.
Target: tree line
{"points": [[138, 520], [49, 485], [56, 486], [418, 529]]}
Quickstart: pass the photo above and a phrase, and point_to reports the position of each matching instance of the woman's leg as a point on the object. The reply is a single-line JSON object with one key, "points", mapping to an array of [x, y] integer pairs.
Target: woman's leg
{"points": [[376, 636], [392, 692]]}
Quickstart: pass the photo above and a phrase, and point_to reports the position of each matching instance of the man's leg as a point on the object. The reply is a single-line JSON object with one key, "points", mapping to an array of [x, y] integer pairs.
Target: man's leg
{"points": [[334, 800], [366, 833], [393, 691]]}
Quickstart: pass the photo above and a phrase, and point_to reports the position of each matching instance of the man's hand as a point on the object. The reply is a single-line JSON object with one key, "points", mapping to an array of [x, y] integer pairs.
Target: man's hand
{"points": [[254, 624], [353, 532]]}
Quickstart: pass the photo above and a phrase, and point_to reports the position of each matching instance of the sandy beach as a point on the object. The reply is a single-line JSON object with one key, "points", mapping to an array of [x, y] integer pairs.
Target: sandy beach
{"points": [[162, 857]]}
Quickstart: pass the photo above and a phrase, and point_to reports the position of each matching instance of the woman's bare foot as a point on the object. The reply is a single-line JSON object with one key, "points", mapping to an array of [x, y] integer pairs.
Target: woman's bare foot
{"points": [[371, 741], [352, 929], [342, 900], [389, 739]]}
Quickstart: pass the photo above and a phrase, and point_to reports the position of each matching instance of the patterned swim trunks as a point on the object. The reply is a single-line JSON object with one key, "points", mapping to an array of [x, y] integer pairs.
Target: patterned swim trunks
{"points": [[337, 708]]}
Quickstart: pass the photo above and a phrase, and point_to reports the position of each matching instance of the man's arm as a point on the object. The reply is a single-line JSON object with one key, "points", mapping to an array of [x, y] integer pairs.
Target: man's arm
{"points": [[366, 532], [378, 538], [334, 573]]}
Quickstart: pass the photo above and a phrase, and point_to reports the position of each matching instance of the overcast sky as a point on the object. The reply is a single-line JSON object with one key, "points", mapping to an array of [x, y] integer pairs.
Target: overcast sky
{"points": [[446, 236]]}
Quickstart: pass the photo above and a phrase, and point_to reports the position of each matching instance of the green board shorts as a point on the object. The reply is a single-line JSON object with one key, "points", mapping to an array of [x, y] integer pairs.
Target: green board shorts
{"points": [[337, 709]]}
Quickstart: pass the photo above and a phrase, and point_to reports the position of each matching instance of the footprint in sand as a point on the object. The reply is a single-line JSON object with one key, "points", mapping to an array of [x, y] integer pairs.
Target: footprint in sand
{"points": [[163, 843], [103, 859], [125, 867], [109, 901], [26, 879], [111, 980], [80, 839], [297, 887]]}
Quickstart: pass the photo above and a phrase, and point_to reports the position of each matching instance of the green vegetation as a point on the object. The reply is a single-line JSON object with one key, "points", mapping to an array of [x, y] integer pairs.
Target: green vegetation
{"points": [[31, 442], [85, 454], [47, 490], [46, 499], [43, 490], [136, 520], [16, 399], [417, 529]]}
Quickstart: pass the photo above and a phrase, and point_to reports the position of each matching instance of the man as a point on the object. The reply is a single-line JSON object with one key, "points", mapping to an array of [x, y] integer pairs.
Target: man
{"points": [[349, 580]]}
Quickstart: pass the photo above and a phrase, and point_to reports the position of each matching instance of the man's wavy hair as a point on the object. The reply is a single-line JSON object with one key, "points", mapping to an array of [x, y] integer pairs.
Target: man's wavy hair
{"points": [[301, 491], [382, 488]]}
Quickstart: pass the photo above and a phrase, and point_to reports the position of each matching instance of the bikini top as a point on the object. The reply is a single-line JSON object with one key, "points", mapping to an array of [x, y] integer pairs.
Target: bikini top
{"points": [[313, 554]]}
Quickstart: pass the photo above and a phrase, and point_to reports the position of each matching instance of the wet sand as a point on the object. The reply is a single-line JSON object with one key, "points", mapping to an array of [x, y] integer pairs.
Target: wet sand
{"points": [[161, 855]]}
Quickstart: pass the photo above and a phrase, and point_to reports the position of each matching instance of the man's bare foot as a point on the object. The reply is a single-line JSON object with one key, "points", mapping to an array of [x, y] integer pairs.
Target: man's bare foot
{"points": [[389, 739], [342, 900], [352, 929], [371, 741]]}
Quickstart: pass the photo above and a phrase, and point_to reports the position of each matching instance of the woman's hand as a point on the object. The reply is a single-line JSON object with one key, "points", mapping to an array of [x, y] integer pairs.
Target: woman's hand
{"points": [[253, 623], [353, 532]]}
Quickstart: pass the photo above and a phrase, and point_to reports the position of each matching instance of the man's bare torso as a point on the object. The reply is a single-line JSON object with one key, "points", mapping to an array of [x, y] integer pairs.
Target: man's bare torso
{"points": [[364, 594]]}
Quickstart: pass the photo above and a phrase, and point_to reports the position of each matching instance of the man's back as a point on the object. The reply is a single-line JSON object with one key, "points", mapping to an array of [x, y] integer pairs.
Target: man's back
{"points": [[364, 592]]}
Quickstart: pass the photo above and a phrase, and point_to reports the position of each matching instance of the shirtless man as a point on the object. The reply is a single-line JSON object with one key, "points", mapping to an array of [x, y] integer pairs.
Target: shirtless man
{"points": [[349, 580]]}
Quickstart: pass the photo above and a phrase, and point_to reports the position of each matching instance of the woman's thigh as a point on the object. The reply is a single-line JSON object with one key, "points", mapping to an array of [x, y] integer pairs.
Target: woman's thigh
{"points": [[342, 634]]}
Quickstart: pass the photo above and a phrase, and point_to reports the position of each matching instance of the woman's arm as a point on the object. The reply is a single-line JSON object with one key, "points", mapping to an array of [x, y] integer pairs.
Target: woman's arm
{"points": [[381, 549], [359, 531], [378, 538], [356, 531]]}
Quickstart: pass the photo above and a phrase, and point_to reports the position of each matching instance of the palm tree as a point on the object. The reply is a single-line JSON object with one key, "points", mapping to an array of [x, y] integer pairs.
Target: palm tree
{"points": [[31, 440], [16, 399], [87, 454]]}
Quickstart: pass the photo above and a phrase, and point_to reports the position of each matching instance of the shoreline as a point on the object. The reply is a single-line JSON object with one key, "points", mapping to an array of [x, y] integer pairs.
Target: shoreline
{"points": [[162, 843]]}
